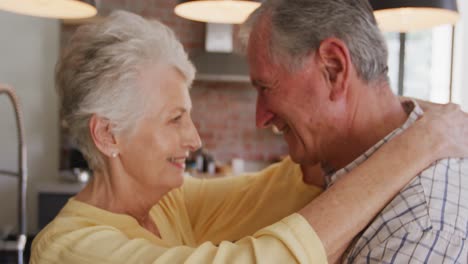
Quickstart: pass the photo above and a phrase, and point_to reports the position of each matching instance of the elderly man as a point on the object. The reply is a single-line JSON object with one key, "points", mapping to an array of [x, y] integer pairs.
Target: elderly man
{"points": [[320, 69]]}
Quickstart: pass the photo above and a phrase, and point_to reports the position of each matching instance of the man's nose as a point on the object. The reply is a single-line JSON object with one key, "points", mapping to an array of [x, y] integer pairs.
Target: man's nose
{"points": [[263, 117]]}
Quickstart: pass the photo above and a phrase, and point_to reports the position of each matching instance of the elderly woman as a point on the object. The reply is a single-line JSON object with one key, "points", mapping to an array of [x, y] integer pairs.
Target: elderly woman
{"points": [[124, 89]]}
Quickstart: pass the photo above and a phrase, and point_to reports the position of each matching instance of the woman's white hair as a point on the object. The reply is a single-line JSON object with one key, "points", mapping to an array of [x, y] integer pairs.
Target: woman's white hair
{"points": [[97, 73]]}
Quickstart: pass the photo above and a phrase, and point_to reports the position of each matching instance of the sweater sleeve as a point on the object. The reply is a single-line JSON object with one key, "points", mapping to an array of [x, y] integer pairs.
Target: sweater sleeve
{"points": [[234, 207], [290, 240]]}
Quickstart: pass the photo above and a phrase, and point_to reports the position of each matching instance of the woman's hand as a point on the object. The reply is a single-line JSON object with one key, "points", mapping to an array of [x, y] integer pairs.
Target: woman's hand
{"points": [[448, 126]]}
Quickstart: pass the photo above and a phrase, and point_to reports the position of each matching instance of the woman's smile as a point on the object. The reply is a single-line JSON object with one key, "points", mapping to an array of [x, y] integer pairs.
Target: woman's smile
{"points": [[178, 162]]}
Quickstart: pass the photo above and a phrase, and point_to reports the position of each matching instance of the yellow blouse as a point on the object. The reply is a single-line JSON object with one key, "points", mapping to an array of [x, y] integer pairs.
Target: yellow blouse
{"points": [[242, 219]]}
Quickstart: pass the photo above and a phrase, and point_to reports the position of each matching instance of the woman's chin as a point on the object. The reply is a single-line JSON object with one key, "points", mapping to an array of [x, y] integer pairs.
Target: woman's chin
{"points": [[173, 181], [179, 180]]}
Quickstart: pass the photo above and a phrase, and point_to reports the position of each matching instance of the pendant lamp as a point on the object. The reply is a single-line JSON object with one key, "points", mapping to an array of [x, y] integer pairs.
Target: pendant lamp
{"points": [[411, 15], [216, 11], [61, 9]]}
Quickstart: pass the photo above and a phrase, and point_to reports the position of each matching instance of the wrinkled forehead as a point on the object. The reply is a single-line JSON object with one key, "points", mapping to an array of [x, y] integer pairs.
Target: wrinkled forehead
{"points": [[260, 34], [259, 45]]}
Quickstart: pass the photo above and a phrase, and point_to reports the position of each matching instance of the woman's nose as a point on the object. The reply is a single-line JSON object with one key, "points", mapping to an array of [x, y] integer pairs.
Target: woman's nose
{"points": [[193, 141]]}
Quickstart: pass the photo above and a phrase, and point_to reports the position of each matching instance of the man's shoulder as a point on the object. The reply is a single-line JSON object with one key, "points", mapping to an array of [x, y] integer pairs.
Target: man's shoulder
{"points": [[436, 199], [433, 204], [446, 179], [445, 188], [450, 165], [445, 173]]}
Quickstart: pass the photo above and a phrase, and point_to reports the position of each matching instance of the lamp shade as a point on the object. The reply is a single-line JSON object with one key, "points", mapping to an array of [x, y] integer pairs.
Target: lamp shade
{"points": [[63, 9], [216, 11], [410, 15]]}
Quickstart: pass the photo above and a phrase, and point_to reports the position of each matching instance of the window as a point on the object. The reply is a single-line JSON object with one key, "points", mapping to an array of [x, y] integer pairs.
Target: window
{"points": [[426, 63]]}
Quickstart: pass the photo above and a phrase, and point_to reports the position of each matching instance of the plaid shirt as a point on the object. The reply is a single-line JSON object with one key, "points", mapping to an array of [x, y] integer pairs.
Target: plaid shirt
{"points": [[427, 222]]}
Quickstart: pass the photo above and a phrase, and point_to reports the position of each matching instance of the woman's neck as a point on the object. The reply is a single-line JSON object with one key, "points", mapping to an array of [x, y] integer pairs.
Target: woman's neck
{"points": [[117, 192]]}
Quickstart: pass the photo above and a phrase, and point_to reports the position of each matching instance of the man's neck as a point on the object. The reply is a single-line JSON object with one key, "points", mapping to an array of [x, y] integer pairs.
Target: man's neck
{"points": [[374, 113]]}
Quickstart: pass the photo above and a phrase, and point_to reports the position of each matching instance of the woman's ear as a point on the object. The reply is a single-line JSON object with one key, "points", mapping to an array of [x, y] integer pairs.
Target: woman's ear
{"points": [[101, 133], [336, 60]]}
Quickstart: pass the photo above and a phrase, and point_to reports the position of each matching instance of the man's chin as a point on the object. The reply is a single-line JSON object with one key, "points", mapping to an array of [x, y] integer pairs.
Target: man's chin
{"points": [[296, 157], [303, 159], [296, 150]]}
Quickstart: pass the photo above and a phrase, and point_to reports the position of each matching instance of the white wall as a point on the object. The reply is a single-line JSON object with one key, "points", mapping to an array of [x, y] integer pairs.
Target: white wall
{"points": [[461, 61], [28, 50]]}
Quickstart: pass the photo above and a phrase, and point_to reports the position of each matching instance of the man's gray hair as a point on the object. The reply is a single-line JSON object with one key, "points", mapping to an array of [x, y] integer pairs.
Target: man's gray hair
{"points": [[299, 26], [97, 74]]}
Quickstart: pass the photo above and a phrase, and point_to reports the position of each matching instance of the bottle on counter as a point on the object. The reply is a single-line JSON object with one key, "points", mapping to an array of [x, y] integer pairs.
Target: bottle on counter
{"points": [[202, 162]]}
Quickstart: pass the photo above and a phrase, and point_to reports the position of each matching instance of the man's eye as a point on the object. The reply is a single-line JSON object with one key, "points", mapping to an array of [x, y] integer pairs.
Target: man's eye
{"points": [[262, 88], [177, 118]]}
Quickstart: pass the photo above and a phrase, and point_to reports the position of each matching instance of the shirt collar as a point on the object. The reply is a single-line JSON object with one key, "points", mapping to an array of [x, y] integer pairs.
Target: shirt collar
{"points": [[414, 112]]}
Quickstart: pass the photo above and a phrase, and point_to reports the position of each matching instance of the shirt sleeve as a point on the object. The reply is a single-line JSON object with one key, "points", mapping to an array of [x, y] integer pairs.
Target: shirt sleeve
{"points": [[416, 247], [291, 240], [234, 207]]}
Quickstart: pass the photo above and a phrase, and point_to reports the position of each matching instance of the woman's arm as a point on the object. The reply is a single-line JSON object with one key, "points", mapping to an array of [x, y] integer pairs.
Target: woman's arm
{"points": [[234, 207], [348, 206]]}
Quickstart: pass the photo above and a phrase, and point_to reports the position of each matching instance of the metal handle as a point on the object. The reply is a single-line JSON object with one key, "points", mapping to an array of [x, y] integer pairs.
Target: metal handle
{"points": [[22, 164]]}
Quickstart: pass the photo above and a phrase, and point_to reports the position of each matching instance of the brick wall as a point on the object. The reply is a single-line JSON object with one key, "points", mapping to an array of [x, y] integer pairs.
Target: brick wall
{"points": [[224, 113]]}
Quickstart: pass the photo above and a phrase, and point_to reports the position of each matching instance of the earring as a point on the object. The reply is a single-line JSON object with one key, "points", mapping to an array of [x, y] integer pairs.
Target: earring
{"points": [[114, 154]]}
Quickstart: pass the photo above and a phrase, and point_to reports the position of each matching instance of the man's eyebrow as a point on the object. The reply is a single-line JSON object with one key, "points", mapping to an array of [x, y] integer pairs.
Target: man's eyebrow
{"points": [[261, 83], [180, 109]]}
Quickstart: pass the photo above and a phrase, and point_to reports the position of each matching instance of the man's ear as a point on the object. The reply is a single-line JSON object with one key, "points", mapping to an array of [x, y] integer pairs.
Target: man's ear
{"points": [[336, 61], [101, 133]]}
